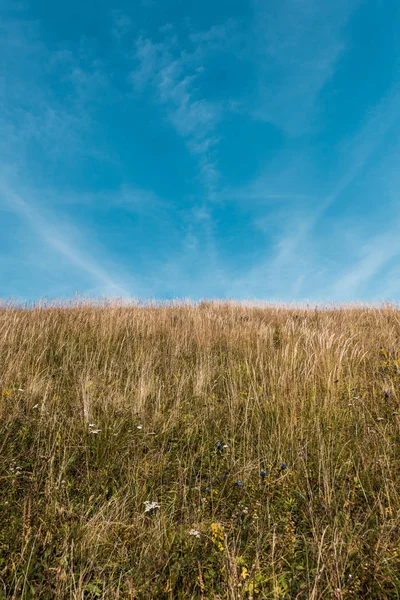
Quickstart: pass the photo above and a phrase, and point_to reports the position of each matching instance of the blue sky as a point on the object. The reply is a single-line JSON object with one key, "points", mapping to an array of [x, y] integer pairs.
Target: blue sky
{"points": [[230, 149]]}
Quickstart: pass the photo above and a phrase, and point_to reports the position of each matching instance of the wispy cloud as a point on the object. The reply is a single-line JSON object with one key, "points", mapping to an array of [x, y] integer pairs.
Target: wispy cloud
{"points": [[40, 127], [47, 99], [298, 45], [77, 161], [226, 37], [121, 25], [173, 75]]}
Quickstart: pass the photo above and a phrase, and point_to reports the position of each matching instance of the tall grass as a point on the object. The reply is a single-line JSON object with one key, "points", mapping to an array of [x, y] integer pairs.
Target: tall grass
{"points": [[104, 408]]}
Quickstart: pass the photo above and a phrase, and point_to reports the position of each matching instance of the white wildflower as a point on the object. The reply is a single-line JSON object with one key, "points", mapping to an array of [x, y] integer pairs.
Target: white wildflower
{"points": [[91, 425], [36, 406], [140, 426], [225, 446], [380, 419], [150, 507], [194, 533], [20, 390], [95, 431]]}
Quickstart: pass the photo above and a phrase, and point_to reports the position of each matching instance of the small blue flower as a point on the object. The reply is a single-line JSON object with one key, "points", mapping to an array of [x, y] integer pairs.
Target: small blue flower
{"points": [[218, 445], [207, 489], [263, 474], [283, 466], [239, 483]]}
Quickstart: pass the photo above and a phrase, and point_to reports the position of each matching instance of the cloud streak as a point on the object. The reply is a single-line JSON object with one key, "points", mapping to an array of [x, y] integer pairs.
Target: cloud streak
{"points": [[295, 263], [358, 152], [57, 240], [376, 254]]}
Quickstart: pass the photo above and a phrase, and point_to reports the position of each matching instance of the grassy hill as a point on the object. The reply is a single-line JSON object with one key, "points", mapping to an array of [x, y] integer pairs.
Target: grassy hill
{"points": [[211, 451]]}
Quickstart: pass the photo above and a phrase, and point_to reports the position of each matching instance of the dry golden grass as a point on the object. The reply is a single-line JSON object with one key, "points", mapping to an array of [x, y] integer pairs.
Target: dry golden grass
{"points": [[125, 404]]}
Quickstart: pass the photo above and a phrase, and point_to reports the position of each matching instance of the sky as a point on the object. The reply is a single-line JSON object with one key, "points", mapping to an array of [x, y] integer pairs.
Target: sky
{"points": [[161, 149]]}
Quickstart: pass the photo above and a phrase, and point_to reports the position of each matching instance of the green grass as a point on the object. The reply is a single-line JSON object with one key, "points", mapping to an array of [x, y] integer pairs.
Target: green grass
{"points": [[316, 390]]}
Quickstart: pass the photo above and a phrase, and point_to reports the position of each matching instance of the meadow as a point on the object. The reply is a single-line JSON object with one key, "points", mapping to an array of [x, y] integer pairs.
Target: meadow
{"points": [[211, 451]]}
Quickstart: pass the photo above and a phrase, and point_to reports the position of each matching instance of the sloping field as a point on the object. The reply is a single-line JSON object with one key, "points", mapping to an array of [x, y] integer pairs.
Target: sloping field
{"points": [[209, 451]]}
